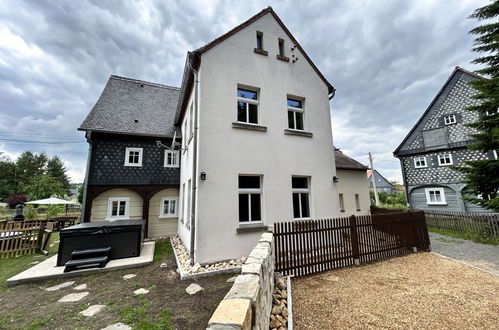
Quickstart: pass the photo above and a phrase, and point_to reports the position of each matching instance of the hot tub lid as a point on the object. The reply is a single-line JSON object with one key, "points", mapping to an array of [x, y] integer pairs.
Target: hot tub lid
{"points": [[103, 227]]}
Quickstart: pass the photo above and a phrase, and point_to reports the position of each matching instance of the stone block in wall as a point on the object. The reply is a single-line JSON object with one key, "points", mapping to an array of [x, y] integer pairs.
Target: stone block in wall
{"points": [[254, 268], [232, 314], [245, 287]]}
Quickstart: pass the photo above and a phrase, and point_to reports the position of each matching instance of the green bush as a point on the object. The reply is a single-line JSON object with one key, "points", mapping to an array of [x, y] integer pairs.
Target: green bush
{"points": [[30, 212], [54, 210]]}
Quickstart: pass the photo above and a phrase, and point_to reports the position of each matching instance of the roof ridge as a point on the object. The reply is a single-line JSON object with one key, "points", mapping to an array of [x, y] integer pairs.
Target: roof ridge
{"points": [[143, 82]]}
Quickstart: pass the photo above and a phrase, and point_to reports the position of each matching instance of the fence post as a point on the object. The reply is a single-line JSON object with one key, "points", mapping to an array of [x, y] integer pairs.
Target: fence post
{"points": [[355, 240]]}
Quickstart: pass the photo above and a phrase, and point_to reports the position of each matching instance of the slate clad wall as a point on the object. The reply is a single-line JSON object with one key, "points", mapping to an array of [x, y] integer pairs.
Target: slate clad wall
{"points": [[454, 99], [108, 159], [433, 173], [418, 200]]}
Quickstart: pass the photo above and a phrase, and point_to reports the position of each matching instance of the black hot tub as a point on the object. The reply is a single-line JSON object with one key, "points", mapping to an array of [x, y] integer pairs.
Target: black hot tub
{"points": [[125, 238]]}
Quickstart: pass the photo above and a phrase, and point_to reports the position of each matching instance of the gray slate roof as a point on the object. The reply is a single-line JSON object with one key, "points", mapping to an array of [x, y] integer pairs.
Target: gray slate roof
{"points": [[135, 107], [343, 162]]}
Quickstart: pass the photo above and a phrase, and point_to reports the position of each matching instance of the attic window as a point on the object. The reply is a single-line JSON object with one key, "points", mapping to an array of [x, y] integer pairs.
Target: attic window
{"points": [[259, 40], [281, 47], [449, 120], [259, 44]]}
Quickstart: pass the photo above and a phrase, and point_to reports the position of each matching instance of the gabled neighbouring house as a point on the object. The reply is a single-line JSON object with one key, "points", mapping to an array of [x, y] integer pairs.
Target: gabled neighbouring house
{"points": [[253, 118], [352, 185], [438, 141], [382, 184]]}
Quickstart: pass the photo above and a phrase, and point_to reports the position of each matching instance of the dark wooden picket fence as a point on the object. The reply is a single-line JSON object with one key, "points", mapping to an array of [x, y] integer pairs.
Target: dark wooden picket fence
{"points": [[481, 224], [312, 246]]}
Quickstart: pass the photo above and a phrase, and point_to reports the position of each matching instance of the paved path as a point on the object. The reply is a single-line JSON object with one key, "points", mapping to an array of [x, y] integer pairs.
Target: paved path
{"points": [[484, 256]]}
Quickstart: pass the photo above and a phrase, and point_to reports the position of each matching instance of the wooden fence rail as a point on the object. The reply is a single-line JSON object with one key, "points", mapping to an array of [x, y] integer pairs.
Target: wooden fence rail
{"points": [[20, 237], [312, 246], [482, 224]]}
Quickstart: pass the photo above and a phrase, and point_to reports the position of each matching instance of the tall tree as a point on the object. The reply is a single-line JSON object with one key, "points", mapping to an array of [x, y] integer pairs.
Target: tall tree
{"points": [[30, 165], [482, 176], [57, 170], [7, 177], [43, 186]]}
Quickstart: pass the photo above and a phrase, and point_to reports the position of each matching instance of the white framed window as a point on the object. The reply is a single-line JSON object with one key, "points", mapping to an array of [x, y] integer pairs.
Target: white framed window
{"points": [[171, 158], [117, 208], [435, 196], [301, 191], [296, 114], [250, 198], [450, 119], [247, 106], [133, 157], [444, 160], [420, 162], [342, 203], [168, 207], [280, 43]]}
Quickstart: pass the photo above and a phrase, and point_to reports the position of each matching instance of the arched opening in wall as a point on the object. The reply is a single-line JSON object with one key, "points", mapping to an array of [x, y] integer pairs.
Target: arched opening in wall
{"points": [[117, 204], [164, 209]]}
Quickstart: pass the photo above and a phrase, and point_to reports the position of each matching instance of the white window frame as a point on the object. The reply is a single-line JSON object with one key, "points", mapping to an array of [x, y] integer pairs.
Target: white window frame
{"points": [[127, 156], [249, 192], [420, 160], [450, 119], [441, 191], [443, 157], [110, 201], [174, 154], [295, 110], [249, 101], [302, 191], [357, 201], [161, 207]]}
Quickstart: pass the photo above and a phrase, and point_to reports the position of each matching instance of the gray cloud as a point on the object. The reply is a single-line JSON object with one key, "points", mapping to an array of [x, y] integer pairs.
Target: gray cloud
{"points": [[387, 60]]}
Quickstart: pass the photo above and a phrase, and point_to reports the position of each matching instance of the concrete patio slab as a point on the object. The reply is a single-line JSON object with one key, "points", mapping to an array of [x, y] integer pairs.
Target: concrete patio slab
{"points": [[48, 269]]}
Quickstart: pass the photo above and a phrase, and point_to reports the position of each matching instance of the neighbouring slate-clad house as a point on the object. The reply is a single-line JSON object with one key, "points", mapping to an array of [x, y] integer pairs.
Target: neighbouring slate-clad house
{"points": [[253, 118], [437, 141], [352, 185], [382, 184], [128, 175]]}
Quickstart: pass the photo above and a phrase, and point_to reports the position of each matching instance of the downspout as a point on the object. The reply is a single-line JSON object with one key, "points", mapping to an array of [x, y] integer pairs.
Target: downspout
{"points": [[85, 183], [194, 165]]}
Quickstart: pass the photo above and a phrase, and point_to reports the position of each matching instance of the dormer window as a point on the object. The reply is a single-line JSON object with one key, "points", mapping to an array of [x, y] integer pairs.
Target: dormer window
{"points": [[449, 120], [133, 157], [247, 106]]}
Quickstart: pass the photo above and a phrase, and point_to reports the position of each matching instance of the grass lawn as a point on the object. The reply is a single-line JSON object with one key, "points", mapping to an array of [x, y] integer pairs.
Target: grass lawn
{"points": [[469, 236], [166, 306]]}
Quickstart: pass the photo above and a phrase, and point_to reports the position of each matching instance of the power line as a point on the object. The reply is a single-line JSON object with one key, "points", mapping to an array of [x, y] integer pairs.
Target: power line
{"points": [[42, 142]]}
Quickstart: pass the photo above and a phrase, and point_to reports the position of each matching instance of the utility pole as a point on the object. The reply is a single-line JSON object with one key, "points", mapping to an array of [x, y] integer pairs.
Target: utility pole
{"points": [[373, 177]]}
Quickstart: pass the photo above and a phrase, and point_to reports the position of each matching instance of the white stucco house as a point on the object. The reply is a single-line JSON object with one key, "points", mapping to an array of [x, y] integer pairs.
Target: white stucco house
{"points": [[254, 118]]}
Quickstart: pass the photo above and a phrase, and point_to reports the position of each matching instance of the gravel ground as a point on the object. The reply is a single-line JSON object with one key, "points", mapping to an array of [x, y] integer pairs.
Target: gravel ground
{"points": [[422, 291], [485, 256]]}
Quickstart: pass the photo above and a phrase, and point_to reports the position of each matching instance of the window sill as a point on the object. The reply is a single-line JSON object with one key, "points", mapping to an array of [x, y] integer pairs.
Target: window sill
{"points": [[297, 133], [133, 165], [261, 51], [437, 204], [251, 228], [167, 217], [282, 58], [252, 127]]}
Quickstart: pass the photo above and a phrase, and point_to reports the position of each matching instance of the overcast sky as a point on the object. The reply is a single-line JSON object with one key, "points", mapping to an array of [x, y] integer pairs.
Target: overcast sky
{"points": [[387, 60]]}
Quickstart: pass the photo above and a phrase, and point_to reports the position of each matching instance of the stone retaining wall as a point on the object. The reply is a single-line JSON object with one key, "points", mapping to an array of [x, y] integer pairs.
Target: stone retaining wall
{"points": [[248, 303]]}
